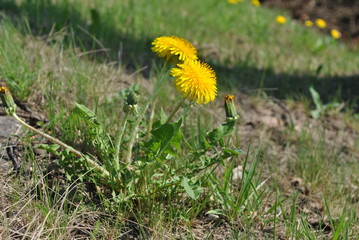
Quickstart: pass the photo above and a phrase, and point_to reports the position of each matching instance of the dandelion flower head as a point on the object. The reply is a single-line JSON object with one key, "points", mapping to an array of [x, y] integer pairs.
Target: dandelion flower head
{"points": [[3, 90], [308, 23], [256, 3], [235, 1], [195, 80], [280, 19], [174, 48], [320, 23], [335, 34], [229, 98]]}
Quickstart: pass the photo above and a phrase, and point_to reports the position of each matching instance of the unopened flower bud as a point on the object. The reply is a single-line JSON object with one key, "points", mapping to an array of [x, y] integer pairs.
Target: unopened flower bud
{"points": [[132, 98], [231, 112], [130, 108], [7, 100], [131, 103]]}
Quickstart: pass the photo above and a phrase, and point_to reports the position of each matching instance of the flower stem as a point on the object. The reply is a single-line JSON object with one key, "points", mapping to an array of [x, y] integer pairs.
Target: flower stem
{"points": [[119, 141], [143, 112], [175, 110], [150, 120], [130, 144]]}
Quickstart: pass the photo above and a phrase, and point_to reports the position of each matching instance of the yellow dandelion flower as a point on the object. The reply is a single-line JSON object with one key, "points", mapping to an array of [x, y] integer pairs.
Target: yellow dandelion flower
{"points": [[320, 23], [280, 19], [335, 34], [174, 48], [308, 23], [256, 3], [195, 80], [235, 1], [3, 90]]}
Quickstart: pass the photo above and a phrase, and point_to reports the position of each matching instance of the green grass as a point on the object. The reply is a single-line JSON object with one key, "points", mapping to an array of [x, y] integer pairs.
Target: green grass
{"points": [[234, 39], [53, 53]]}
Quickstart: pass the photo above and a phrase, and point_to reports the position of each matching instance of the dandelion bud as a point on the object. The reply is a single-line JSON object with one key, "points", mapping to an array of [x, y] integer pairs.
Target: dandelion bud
{"points": [[132, 98], [231, 112], [131, 103], [7, 100]]}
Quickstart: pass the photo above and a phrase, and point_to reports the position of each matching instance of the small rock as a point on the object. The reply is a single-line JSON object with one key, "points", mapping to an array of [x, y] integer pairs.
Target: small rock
{"points": [[237, 173], [41, 152], [212, 217], [270, 121], [298, 184], [8, 126]]}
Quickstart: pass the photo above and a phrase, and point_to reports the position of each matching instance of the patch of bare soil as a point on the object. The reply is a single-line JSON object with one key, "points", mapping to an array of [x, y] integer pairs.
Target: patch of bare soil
{"points": [[268, 120], [339, 14]]}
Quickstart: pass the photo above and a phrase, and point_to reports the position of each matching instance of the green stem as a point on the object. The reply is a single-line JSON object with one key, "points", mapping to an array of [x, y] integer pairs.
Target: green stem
{"points": [[142, 114], [150, 121], [91, 162], [130, 145], [175, 110], [119, 141]]}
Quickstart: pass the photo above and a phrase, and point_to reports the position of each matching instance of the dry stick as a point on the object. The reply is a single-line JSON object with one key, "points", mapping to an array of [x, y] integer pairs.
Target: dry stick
{"points": [[91, 162]]}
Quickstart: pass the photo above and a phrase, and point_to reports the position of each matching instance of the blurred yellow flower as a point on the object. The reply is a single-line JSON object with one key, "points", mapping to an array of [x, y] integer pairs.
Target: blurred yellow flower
{"points": [[3, 90], [235, 1], [280, 19], [174, 48], [320, 23], [308, 23], [195, 80], [335, 34], [256, 3]]}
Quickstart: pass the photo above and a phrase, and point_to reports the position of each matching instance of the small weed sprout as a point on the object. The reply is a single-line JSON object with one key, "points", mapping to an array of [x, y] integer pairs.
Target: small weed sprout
{"points": [[320, 108]]}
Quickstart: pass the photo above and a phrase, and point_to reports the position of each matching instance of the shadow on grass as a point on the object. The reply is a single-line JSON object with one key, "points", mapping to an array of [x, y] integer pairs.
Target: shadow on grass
{"points": [[101, 40], [282, 85], [44, 17]]}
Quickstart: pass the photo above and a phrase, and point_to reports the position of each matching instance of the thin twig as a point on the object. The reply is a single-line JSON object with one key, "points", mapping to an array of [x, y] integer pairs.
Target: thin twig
{"points": [[15, 163], [91, 162]]}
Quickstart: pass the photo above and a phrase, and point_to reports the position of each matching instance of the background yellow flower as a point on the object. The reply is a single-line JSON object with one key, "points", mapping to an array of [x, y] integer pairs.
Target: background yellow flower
{"points": [[308, 23], [234, 1], [256, 3], [195, 80], [174, 48], [280, 19], [335, 33], [320, 23]]}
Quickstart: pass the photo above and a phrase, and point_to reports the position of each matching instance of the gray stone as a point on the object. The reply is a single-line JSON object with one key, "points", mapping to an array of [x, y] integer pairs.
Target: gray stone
{"points": [[8, 127]]}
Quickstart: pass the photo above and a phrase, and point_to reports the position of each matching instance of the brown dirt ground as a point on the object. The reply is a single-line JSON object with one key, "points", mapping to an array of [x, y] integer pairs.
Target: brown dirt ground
{"points": [[339, 14]]}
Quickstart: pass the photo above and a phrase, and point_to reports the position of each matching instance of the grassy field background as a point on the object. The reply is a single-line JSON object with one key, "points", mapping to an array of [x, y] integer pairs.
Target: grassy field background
{"points": [[53, 53]]}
